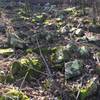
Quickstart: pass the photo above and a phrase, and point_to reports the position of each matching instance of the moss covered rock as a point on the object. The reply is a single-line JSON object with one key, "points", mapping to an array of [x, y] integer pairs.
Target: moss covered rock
{"points": [[62, 54], [57, 56], [39, 18], [30, 65], [84, 52], [13, 94], [6, 52], [73, 69], [72, 47], [88, 90]]}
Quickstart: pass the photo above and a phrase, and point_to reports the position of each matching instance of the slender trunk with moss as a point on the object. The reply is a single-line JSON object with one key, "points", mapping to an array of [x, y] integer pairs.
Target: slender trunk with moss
{"points": [[94, 11], [83, 7], [28, 7]]}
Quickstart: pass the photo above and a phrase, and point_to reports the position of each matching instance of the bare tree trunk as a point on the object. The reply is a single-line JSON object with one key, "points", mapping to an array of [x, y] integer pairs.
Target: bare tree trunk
{"points": [[98, 10], [94, 11], [83, 6], [28, 7]]}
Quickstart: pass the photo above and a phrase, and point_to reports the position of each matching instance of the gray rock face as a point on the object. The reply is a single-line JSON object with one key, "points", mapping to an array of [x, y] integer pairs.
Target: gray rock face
{"points": [[73, 68]]}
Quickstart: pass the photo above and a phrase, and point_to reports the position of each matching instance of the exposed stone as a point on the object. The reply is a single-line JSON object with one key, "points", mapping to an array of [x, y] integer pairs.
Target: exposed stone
{"points": [[84, 51], [72, 47], [73, 69], [57, 56]]}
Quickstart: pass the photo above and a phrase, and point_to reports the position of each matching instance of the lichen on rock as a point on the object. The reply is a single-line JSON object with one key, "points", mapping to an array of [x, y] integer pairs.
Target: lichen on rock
{"points": [[73, 68]]}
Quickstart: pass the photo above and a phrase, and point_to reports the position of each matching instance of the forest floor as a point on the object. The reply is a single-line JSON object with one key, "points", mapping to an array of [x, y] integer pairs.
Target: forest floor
{"points": [[62, 40]]}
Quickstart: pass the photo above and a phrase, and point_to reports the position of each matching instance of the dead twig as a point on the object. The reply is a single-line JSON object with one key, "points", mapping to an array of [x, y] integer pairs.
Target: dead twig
{"points": [[54, 83], [23, 80], [47, 67]]}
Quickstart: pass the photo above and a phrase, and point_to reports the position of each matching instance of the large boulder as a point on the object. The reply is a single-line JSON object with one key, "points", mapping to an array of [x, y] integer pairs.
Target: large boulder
{"points": [[84, 52], [62, 54], [73, 69]]}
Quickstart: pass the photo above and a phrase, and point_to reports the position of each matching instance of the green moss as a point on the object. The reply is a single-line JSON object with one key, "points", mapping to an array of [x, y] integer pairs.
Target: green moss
{"points": [[29, 50], [63, 53], [33, 20], [83, 93], [6, 78], [43, 50], [53, 49], [57, 56], [87, 90], [72, 47], [2, 77], [47, 84], [17, 71], [31, 65], [9, 78], [13, 94], [70, 10], [87, 21], [36, 50], [6, 52], [47, 22], [39, 18], [84, 52]]}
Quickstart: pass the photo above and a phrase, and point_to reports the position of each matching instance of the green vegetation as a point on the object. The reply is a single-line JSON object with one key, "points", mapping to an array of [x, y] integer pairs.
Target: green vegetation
{"points": [[49, 50]]}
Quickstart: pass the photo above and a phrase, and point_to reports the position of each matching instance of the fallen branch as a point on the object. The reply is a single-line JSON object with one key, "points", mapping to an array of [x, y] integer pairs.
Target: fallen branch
{"points": [[54, 83], [47, 67]]}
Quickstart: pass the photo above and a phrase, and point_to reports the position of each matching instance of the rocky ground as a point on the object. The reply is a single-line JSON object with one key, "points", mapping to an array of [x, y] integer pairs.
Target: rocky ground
{"points": [[48, 53]]}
